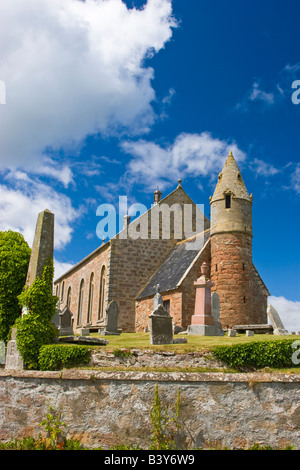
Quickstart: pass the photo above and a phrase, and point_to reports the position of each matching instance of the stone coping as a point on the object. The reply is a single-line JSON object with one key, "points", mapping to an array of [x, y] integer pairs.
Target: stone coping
{"points": [[95, 375]]}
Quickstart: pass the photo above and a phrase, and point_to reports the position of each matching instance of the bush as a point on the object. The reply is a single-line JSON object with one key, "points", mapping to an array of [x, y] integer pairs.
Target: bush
{"points": [[257, 354], [14, 260], [57, 356], [35, 328]]}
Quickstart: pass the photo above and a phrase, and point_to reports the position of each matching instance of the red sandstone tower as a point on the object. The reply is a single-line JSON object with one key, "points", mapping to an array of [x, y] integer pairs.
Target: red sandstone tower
{"points": [[243, 296]]}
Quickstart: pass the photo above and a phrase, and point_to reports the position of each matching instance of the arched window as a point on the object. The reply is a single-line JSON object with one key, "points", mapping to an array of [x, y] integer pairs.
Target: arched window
{"points": [[62, 291], [69, 297], [101, 294], [91, 295], [80, 302]]}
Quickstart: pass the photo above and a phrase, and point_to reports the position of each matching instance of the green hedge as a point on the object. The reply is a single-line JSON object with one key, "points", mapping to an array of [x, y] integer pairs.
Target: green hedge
{"points": [[259, 354], [57, 356]]}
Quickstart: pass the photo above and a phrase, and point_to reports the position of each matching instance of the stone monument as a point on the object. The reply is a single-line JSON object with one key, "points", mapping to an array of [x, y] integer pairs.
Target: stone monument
{"points": [[42, 251], [157, 298], [43, 245], [161, 327], [13, 357], [112, 314], [65, 327], [2, 352], [278, 328], [203, 322]]}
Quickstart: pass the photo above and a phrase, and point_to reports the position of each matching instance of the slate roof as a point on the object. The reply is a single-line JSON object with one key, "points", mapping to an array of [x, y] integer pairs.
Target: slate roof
{"points": [[175, 265]]}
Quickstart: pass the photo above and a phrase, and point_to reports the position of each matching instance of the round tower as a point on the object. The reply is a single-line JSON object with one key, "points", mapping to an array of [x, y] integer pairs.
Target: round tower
{"points": [[231, 246]]}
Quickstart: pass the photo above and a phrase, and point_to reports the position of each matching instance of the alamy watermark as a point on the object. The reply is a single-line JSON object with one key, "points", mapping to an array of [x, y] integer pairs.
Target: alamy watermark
{"points": [[296, 354], [2, 92], [296, 94], [163, 221]]}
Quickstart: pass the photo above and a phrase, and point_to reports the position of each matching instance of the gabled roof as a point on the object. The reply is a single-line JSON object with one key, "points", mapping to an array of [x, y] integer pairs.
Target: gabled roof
{"points": [[173, 270]]}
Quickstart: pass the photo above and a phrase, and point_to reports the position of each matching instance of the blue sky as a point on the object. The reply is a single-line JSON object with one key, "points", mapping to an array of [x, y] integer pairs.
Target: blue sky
{"points": [[108, 98]]}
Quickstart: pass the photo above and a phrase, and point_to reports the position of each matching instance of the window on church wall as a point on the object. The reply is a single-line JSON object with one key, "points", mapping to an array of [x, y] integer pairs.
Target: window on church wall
{"points": [[62, 291], [69, 297], [91, 295], [102, 294], [80, 303], [166, 305]]}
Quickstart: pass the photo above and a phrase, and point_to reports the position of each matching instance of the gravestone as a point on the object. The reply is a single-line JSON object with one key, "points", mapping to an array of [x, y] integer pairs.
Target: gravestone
{"points": [[278, 328], [65, 322], [249, 333], [231, 333], [161, 327], [2, 352], [13, 357], [112, 314], [215, 311]]}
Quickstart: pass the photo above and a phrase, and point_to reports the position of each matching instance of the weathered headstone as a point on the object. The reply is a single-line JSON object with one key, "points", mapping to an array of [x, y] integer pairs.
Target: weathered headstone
{"points": [[278, 328], [85, 332], [112, 314], [215, 311], [231, 333], [249, 333], [65, 327], [13, 357], [203, 322], [161, 327]]}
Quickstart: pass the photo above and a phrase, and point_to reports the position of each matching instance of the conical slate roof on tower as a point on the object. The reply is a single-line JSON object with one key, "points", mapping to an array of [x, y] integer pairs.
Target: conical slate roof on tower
{"points": [[230, 179]]}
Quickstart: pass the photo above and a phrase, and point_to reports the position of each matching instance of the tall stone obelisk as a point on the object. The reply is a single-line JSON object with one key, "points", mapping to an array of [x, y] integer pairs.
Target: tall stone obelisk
{"points": [[43, 245], [42, 251]]}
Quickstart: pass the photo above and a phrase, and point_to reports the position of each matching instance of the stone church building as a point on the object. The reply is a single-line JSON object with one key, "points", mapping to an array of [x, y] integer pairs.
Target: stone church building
{"points": [[128, 268]]}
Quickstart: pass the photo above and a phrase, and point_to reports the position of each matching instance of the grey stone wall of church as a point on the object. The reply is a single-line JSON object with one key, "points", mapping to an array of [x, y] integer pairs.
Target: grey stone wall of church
{"points": [[107, 408]]}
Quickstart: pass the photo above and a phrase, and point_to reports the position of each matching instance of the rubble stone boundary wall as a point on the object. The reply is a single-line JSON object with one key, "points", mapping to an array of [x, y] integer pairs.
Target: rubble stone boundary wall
{"points": [[107, 408]]}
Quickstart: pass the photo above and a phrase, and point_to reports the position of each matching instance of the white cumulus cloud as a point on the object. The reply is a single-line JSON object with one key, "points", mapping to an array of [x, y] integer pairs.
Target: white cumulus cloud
{"points": [[75, 68], [189, 155], [25, 198], [289, 312]]}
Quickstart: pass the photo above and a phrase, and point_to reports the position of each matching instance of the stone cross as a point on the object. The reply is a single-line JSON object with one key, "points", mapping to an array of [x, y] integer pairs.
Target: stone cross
{"points": [[157, 298]]}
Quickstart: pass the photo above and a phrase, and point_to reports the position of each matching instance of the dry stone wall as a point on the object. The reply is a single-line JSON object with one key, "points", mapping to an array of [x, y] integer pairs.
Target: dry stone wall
{"points": [[108, 408]]}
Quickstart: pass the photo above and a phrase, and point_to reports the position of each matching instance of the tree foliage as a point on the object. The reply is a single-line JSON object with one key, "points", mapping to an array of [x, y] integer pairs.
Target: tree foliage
{"points": [[14, 261]]}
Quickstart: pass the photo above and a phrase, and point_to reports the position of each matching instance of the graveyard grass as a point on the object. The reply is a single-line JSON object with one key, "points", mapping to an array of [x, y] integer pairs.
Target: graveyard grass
{"points": [[125, 342], [194, 342]]}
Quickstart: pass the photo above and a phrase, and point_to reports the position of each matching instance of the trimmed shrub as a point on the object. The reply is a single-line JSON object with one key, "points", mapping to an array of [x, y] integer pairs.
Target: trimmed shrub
{"points": [[58, 356], [257, 354]]}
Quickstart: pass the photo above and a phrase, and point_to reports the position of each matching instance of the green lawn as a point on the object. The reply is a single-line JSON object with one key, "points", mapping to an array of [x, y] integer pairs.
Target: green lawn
{"points": [[194, 343]]}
